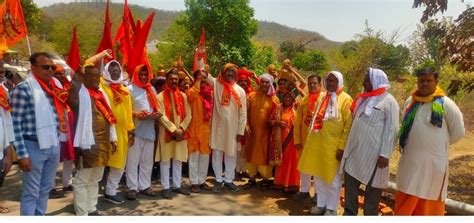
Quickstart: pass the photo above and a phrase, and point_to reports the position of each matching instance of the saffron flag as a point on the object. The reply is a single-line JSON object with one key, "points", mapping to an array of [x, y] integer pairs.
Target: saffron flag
{"points": [[200, 54], [12, 25], [136, 57], [73, 56], [124, 34], [106, 42]]}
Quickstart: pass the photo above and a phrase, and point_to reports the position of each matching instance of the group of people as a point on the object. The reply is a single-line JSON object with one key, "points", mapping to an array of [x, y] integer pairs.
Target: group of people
{"points": [[279, 130]]}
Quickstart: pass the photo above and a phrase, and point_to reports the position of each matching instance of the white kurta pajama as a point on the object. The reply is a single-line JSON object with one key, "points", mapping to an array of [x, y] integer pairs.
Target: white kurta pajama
{"points": [[140, 154], [227, 122], [423, 167]]}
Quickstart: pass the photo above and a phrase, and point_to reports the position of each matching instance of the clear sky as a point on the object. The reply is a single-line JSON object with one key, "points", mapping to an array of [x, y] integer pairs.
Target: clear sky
{"points": [[337, 20]]}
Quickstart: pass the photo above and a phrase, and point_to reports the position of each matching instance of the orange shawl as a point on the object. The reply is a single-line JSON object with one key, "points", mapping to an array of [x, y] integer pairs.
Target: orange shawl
{"points": [[376, 92], [178, 106], [102, 105], [318, 122], [60, 97], [313, 97], [229, 90]]}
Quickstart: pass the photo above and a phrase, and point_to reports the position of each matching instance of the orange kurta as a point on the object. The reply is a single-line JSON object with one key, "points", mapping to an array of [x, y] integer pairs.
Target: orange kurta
{"points": [[406, 204], [260, 106], [199, 130], [287, 175]]}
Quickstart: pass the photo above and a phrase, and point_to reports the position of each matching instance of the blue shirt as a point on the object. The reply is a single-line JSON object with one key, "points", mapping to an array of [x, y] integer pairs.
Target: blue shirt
{"points": [[145, 128], [23, 116]]}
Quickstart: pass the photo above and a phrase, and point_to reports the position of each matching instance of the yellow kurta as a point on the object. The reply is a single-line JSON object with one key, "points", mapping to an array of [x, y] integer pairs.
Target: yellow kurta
{"points": [[172, 150], [300, 131], [199, 131], [319, 153], [123, 113], [259, 109]]}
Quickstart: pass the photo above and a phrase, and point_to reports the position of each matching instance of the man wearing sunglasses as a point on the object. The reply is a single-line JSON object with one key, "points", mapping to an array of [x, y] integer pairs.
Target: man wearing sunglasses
{"points": [[39, 124]]}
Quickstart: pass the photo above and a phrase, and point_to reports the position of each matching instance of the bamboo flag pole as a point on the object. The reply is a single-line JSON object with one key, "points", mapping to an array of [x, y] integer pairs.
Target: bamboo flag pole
{"points": [[28, 42]]}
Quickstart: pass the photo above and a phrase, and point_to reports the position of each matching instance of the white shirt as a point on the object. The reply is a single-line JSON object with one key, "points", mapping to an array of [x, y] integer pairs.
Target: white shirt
{"points": [[371, 136], [144, 128]]}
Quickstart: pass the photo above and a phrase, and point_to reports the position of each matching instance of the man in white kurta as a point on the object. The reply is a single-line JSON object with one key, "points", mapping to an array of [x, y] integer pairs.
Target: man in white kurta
{"points": [[370, 144], [422, 176], [145, 113], [228, 125], [172, 143]]}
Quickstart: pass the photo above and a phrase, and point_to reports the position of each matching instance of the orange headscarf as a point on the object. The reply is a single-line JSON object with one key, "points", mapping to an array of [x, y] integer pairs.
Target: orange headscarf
{"points": [[229, 90], [147, 86], [66, 83]]}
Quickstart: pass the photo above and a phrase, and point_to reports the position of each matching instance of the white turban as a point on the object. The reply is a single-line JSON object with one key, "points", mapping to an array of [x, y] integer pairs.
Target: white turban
{"points": [[271, 90], [108, 78], [331, 110]]}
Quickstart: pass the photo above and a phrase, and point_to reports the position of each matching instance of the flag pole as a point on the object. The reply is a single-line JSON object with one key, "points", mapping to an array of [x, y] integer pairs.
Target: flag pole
{"points": [[29, 46]]}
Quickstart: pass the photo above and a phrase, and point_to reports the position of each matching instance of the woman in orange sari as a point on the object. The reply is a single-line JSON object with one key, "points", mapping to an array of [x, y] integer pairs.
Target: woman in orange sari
{"points": [[287, 177]]}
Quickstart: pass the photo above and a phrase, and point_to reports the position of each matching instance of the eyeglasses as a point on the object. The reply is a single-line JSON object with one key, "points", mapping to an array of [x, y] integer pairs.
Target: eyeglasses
{"points": [[48, 67]]}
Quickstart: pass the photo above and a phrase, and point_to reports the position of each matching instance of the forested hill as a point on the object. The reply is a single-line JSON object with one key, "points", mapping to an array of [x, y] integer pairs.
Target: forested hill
{"points": [[60, 16]]}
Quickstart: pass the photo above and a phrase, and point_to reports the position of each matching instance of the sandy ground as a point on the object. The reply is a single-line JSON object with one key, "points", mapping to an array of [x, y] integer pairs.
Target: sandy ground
{"points": [[244, 202]]}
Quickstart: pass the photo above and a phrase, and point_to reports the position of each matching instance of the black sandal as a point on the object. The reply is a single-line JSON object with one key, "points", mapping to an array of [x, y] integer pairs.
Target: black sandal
{"points": [[149, 192], [249, 184], [265, 185], [131, 195]]}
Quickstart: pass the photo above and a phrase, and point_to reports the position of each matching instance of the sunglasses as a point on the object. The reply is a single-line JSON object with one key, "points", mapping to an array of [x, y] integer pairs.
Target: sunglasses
{"points": [[48, 67]]}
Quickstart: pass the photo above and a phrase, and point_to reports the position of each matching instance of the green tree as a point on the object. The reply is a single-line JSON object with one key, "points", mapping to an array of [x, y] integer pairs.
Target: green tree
{"points": [[370, 50], [311, 61], [456, 44], [229, 26], [264, 55], [32, 15], [177, 41]]}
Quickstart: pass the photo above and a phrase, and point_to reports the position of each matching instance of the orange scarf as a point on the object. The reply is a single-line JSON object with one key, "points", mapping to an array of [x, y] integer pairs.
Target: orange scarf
{"points": [[366, 95], [4, 99], [178, 106], [66, 84], [313, 97], [60, 97], [228, 92], [318, 122], [118, 92], [102, 105], [147, 86]]}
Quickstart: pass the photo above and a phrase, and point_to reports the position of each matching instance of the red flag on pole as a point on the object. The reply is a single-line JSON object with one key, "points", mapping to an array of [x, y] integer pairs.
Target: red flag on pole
{"points": [[136, 57], [73, 56], [200, 54], [124, 33], [12, 25], [106, 42]]}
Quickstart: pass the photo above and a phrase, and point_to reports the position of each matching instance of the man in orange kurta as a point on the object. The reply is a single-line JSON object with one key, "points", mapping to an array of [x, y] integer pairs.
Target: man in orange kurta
{"points": [[200, 99], [260, 105]]}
